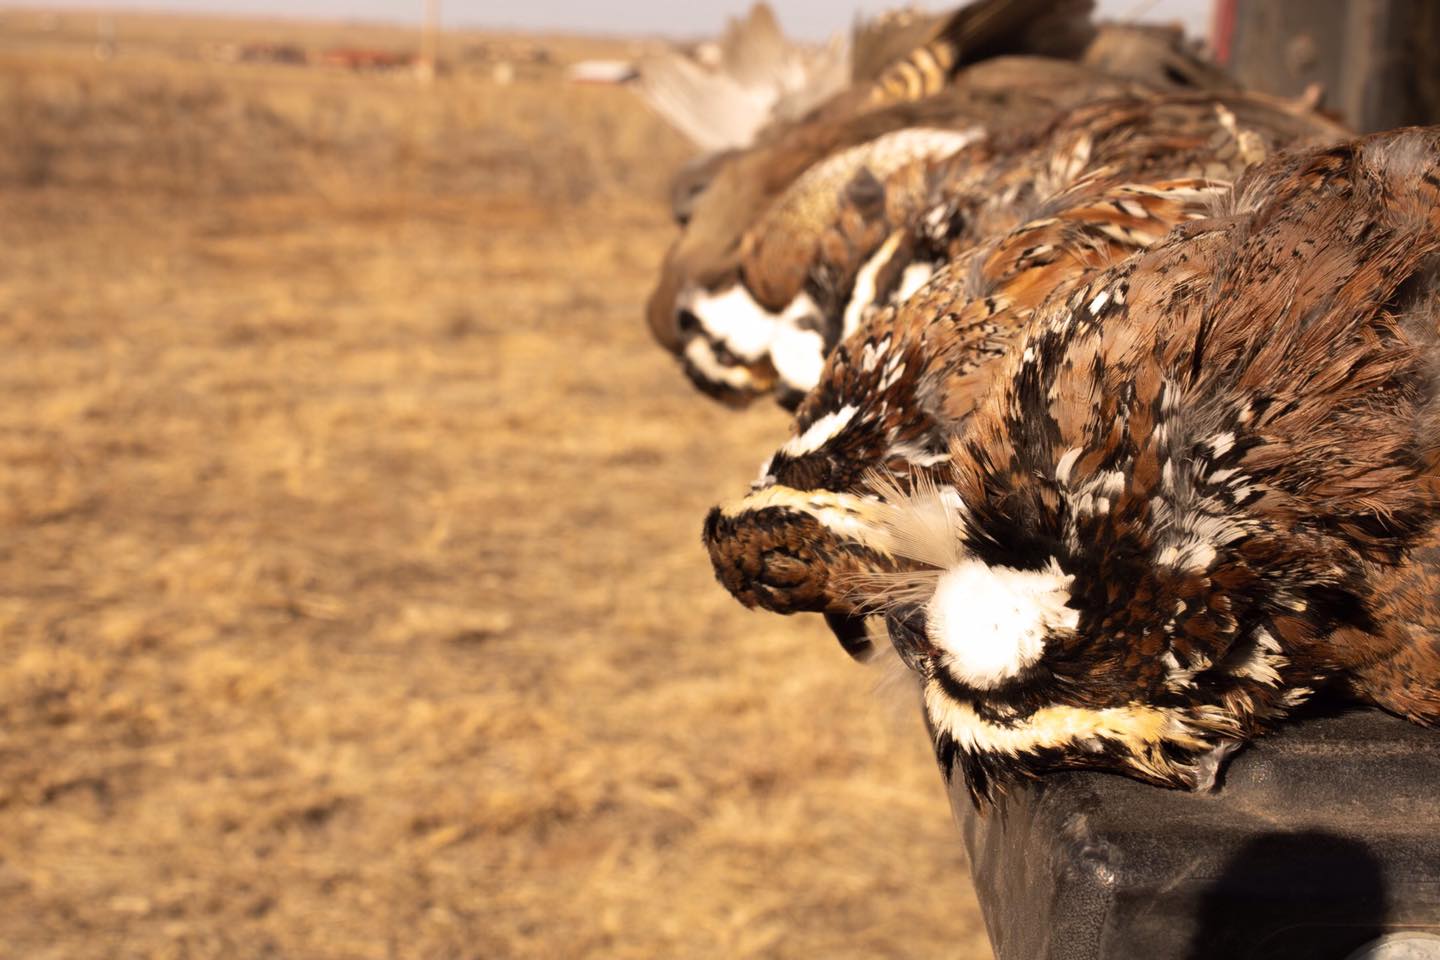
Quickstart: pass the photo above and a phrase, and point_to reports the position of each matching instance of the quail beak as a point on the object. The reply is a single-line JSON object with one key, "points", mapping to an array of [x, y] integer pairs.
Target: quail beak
{"points": [[850, 631], [906, 626]]}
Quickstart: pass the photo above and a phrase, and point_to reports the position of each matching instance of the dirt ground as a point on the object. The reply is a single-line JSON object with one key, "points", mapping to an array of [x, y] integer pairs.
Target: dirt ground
{"points": [[351, 595]]}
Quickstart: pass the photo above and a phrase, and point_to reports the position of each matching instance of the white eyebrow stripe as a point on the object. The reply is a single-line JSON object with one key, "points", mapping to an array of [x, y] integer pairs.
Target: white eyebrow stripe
{"points": [[821, 432]]}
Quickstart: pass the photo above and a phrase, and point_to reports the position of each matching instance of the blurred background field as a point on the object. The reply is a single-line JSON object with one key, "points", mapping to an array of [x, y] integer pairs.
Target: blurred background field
{"points": [[351, 599]]}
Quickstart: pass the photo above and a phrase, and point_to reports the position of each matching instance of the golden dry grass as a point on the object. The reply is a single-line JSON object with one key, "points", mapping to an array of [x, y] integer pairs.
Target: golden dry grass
{"points": [[351, 598]]}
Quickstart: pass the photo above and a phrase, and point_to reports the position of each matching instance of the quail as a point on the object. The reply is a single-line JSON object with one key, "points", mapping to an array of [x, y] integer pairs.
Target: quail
{"points": [[997, 65], [868, 225], [703, 264], [1201, 487], [893, 393]]}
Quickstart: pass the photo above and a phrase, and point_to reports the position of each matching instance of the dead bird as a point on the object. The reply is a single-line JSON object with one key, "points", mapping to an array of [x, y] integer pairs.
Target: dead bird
{"points": [[973, 73], [1202, 487], [869, 225], [893, 394]]}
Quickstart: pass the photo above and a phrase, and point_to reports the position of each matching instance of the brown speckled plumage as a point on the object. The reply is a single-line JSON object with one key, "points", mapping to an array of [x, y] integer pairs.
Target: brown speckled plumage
{"points": [[1086, 216], [999, 66], [911, 377], [865, 227], [1220, 456], [992, 95]]}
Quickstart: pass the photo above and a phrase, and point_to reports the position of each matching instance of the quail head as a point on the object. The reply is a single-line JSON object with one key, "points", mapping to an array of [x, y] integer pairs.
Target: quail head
{"points": [[826, 249], [1201, 487]]}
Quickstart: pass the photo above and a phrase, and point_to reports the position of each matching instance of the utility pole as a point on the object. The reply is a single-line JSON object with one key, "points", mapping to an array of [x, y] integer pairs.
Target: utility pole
{"points": [[429, 60]]}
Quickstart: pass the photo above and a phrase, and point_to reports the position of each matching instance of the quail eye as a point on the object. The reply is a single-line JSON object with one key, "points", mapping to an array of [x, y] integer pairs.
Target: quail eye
{"points": [[906, 626], [724, 355]]}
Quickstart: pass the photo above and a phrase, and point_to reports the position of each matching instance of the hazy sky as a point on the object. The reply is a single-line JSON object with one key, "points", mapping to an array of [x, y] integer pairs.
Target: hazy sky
{"points": [[813, 19]]}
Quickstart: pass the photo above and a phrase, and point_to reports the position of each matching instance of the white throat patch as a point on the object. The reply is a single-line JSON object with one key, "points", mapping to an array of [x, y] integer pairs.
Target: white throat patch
{"points": [[798, 355], [991, 622], [732, 317]]}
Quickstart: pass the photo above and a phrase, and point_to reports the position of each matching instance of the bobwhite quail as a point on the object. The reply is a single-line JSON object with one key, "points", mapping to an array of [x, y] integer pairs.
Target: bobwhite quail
{"points": [[867, 226], [705, 259], [894, 392], [1202, 486]]}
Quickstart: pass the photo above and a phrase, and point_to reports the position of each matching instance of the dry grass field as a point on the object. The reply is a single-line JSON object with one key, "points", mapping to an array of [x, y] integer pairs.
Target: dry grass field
{"points": [[351, 596]]}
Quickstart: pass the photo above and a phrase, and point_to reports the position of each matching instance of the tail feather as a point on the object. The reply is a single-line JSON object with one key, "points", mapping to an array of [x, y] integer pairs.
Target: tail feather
{"points": [[877, 43], [713, 109], [761, 77], [984, 29]]}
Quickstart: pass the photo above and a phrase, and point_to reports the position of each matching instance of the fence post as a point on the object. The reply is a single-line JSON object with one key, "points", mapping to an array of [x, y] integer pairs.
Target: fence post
{"points": [[1376, 62]]}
